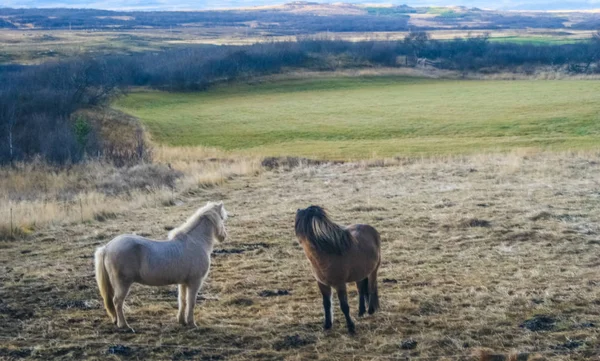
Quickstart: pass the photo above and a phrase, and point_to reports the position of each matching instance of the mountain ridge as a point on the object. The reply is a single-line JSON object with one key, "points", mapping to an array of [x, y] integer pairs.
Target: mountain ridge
{"points": [[182, 5]]}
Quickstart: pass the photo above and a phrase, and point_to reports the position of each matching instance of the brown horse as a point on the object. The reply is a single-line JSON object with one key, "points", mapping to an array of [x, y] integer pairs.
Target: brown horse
{"points": [[340, 255]]}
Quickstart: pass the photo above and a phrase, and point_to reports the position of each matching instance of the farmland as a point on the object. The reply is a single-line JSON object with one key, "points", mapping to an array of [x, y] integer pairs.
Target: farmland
{"points": [[366, 117]]}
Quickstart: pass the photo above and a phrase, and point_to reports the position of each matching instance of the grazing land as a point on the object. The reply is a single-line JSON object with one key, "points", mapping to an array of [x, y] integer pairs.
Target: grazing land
{"points": [[371, 117], [485, 251]]}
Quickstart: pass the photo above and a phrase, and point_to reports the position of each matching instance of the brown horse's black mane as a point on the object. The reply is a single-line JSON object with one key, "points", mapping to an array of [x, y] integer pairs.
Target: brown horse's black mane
{"points": [[314, 225]]}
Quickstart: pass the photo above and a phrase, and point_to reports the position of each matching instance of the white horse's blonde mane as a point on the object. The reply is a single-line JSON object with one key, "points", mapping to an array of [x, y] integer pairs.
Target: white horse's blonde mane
{"points": [[214, 211]]}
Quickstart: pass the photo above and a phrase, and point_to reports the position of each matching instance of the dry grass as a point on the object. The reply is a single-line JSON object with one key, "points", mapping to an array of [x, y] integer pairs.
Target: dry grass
{"points": [[204, 166], [449, 281], [36, 195]]}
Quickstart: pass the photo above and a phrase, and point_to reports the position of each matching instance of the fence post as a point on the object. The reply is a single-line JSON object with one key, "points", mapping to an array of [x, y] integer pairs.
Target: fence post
{"points": [[81, 209], [11, 224]]}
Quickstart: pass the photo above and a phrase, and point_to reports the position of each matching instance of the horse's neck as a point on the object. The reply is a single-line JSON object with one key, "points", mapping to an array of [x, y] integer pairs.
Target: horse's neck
{"points": [[201, 235], [313, 256]]}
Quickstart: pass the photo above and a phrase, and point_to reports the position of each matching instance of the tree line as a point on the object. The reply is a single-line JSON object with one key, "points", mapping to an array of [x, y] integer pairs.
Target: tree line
{"points": [[37, 102]]}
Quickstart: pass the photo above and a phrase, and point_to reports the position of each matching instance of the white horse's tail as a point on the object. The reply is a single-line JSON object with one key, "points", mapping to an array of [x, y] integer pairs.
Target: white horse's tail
{"points": [[106, 289]]}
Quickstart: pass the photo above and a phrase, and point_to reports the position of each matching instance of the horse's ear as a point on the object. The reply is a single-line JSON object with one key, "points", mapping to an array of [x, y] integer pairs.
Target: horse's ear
{"points": [[222, 210]]}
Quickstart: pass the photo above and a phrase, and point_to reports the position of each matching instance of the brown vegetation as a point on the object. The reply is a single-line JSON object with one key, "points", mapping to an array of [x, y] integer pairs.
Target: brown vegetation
{"points": [[35, 195], [525, 284]]}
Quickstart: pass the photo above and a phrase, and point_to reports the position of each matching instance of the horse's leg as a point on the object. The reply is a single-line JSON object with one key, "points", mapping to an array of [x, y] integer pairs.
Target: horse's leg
{"points": [[343, 297], [326, 292], [121, 291], [192, 292], [373, 295], [182, 294], [363, 295]]}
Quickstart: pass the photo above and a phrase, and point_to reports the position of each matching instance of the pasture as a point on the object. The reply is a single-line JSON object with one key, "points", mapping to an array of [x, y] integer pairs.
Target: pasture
{"points": [[483, 251], [374, 117]]}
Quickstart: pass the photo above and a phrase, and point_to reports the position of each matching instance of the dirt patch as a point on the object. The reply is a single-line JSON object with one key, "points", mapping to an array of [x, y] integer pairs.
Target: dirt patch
{"points": [[584, 325], [12, 354], [241, 301], [293, 341], [408, 344], [120, 350], [77, 304], [541, 216], [475, 222], [19, 314], [288, 163], [367, 209], [569, 345], [269, 293], [196, 354], [539, 323], [241, 249]]}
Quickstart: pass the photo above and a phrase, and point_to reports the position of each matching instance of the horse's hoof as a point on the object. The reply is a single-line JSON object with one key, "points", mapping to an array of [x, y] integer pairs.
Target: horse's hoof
{"points": [[351, 330], [361, 313], [327, 327]]}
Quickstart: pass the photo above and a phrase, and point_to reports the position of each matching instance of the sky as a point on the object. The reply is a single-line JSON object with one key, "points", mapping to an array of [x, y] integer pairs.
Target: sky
{"points": [[220, 4]]}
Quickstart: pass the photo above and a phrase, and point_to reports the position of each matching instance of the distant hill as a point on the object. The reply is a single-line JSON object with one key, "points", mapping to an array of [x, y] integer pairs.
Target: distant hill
{"points": [[220, 4]]}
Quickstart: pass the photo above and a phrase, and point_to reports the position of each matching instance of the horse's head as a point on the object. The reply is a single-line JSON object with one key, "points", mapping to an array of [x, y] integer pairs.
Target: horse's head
{"points": [[221, 232], [214, 214], [304, 220], [307, 214]]}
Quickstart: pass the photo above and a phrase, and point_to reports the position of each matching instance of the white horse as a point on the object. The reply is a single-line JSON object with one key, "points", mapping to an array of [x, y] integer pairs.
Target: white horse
{"points": [[183, 259]]}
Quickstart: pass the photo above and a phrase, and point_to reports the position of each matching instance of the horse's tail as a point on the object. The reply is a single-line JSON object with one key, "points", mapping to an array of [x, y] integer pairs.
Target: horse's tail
{"points": [[106, 289]]}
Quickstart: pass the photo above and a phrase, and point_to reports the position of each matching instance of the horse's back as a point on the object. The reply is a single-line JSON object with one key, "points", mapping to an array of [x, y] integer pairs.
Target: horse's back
{"points": [[361, 259], [366, 236], [124, 241], [123, 254], [153, 262]]}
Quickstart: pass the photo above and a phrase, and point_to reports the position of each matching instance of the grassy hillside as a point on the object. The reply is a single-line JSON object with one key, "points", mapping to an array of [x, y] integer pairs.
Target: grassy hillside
{"points": [[363, 117]]}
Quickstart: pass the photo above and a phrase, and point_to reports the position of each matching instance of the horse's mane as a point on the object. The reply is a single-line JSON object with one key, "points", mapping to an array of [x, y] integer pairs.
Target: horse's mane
{"points": [[314, 225], [213, 211]]}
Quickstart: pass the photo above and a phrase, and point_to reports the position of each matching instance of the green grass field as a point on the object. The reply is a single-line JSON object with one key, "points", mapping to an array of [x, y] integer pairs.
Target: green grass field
{"points": [[353, 118], [537, 40]]}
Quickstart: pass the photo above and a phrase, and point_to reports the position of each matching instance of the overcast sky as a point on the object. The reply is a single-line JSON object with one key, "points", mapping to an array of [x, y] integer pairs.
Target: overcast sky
{"points": [[220, 4]]}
